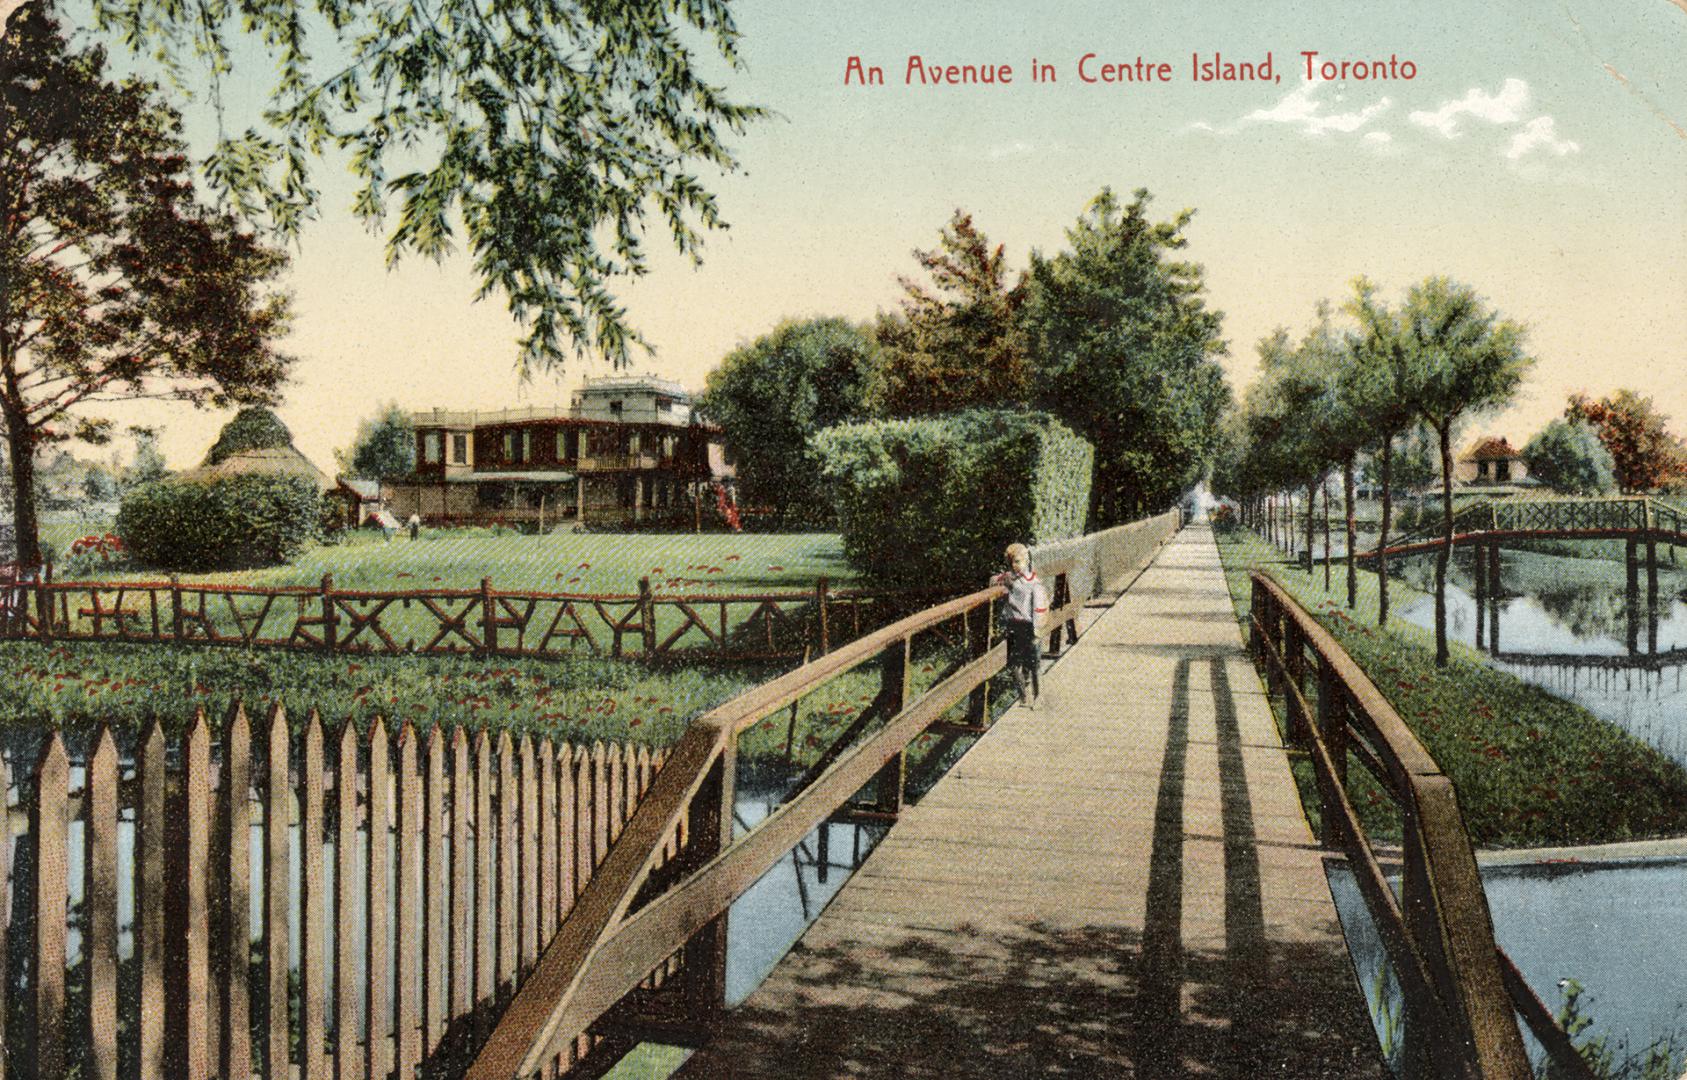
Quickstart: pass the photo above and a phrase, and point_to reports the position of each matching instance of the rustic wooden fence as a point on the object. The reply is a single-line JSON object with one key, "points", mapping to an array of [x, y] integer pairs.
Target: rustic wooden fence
{"points": [[1462, 994], [484, 621], [320, 906]]}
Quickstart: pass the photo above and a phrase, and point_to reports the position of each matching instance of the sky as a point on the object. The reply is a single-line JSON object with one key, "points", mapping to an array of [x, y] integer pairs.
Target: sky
{"points": [[1539, 154]]}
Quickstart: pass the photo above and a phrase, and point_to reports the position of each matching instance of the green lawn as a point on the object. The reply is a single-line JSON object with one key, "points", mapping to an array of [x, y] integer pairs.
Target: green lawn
{"points": [[1530, 768], [566, 562]]}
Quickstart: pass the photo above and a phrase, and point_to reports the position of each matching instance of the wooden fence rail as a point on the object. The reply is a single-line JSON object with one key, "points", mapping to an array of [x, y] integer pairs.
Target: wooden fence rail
{"points": [[1462, 997], [317, 905], [483, 621]]}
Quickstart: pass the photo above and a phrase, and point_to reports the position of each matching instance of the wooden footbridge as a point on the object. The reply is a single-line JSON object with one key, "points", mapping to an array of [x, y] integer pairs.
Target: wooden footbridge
{"points": [[1119, 883], [1639, 520]]}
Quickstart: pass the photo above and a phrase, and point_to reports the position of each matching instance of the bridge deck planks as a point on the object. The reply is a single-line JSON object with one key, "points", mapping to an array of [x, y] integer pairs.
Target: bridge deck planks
{"points": [[1120, 883]]}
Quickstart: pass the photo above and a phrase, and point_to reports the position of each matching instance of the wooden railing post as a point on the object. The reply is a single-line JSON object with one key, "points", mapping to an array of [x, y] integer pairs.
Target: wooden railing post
{"points": [[980, 625], [330, 625], [894, 692], [488, 619], [175, 609], [647, 616], [709, 832], [820, 590], [43, 605], [1332, 728]]}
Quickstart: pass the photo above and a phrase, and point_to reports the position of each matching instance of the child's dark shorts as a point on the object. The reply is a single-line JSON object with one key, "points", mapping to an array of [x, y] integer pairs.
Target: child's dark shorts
{"points": [[1023, 647]]}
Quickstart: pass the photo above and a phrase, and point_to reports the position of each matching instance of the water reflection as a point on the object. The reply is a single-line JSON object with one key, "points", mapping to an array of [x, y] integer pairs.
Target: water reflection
{"points": [[1576, 628], [1559, 922]]}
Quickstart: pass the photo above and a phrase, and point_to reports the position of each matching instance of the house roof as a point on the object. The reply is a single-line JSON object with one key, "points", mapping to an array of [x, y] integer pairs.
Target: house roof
{"points": [[1490, 448], [274, 461], [364, 489]]}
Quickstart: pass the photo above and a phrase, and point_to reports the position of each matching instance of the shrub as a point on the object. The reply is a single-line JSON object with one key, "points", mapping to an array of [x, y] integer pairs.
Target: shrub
{"points": [[932, 502], [224, 524], [1568, 457], [253, 428], [93, 556]]}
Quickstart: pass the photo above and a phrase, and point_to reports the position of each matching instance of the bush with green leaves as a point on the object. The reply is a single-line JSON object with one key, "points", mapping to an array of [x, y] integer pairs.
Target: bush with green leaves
{"points": [[932, 502], [1568, 457], [223, 524]]}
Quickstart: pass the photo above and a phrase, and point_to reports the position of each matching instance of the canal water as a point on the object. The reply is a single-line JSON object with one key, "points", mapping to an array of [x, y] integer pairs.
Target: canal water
{"points": [[1616, 926]]}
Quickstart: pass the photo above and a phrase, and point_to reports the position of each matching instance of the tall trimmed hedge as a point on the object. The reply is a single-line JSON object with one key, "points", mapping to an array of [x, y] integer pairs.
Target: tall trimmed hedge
{"points": [[933, 501], [224, 524]]}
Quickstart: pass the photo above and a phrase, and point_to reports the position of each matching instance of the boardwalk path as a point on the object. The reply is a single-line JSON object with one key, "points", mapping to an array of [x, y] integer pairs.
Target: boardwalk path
{"points": [[1120, 883]]}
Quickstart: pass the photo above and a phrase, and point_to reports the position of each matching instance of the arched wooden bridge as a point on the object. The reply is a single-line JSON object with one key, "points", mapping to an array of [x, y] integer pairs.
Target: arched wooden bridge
{"points": [[1636, 519], [1120, 883]]}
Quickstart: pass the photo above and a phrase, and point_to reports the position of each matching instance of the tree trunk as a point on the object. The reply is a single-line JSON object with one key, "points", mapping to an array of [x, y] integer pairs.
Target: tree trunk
{"points": [[1352, 531], [1327, 560], [1382, 535], [20, 444], [1311, 524], [1444, 553]]}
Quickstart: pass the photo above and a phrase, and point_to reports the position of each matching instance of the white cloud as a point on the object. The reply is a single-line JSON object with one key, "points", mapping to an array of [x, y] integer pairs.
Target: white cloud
{"points": [[1505, 107], [1379, 138], [1009, 150], [1301, 108], [1539, 133]]}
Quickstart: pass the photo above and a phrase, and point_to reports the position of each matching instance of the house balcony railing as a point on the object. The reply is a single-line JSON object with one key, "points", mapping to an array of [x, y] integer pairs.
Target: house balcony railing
{"points": [[605, 462]]}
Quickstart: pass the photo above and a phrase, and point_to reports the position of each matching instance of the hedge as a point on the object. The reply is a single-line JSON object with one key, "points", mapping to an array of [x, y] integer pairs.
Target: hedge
{"points": [[228, 523], [932, 502]]}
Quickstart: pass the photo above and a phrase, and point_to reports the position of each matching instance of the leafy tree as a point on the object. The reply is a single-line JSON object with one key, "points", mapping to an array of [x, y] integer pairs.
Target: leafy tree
{"points": [[115, 281], [98, 485], [385, 445], [550, 134], [1644, 455], [956, 347], [769, 396], [1380, 407], [1462, 358], [1126, 349], [149, 461], [1568, 457], [253, 428]]}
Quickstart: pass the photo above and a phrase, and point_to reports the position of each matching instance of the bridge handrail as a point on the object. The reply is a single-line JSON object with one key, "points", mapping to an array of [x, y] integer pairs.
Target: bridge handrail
{"points": [[1461, 998], [617, 934]]}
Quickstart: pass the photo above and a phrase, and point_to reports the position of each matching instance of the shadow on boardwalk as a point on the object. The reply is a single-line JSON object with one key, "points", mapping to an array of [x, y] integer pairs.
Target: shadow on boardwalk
{"points": [[968, 987]]}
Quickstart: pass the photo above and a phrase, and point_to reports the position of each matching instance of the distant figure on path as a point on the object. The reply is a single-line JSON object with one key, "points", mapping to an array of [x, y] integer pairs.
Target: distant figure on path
{"points": [[1027, 604], [415, 524]]}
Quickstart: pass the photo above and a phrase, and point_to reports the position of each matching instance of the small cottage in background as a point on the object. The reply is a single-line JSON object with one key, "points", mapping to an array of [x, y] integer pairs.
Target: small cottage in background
{"points": [[360, 502], [267, 461], [1491, 461]]}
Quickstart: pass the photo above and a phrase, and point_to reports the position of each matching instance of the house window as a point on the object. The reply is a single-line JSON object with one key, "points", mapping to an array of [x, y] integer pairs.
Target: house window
{"points": [[615, 407], [1481, 470], [459, 449], [518, 446], [1502, 471], [432, 446], [563, 444]]}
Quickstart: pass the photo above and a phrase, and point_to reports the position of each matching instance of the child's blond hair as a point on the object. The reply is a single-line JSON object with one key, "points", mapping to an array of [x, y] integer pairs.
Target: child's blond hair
{"points": [[1019, 557]]}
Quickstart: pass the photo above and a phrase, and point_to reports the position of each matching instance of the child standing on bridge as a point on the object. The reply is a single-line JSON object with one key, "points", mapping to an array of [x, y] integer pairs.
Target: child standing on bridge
{"points": [[1027, 604]]}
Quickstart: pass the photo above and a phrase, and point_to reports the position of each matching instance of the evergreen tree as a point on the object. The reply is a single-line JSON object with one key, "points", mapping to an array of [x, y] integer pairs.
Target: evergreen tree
{"points": [[955, 347]]}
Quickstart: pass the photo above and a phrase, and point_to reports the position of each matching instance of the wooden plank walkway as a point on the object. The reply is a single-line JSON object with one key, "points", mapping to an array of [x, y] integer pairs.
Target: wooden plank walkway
{"points": [[1120, 883]]}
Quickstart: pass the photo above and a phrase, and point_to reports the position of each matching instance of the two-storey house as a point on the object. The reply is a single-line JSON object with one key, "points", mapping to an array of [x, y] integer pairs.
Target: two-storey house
{"points": [[627, 450]]}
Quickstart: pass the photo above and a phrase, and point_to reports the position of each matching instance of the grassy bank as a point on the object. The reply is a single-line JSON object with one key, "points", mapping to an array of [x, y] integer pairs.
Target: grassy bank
{"points": [[562, 562], [78, 687], [1530, 768]]}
